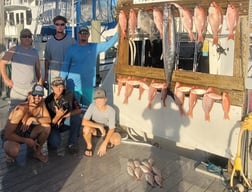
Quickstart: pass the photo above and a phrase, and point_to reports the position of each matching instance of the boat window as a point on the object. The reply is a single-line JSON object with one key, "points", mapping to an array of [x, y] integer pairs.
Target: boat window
{"points": [[17, 18], [11, 19], [28, 17], [22, 18]]}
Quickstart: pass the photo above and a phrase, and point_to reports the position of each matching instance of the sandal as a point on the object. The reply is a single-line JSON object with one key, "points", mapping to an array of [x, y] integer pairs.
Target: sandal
{"points": [[88, 152], [39, 156], [9, 159], [110, 146]]}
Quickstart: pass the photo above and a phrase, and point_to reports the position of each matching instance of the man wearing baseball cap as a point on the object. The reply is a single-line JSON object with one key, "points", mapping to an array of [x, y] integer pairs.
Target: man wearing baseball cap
{"points": [[79, 67], [99, 120], [61, 104], [28, 123]]}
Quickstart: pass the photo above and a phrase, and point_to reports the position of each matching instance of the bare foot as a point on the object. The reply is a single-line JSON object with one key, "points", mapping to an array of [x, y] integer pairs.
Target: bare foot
{"points": [[39, 156]]}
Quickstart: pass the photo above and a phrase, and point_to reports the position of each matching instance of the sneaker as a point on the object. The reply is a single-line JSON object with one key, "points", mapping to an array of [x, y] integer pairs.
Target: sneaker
{"points": [[73, 148]]}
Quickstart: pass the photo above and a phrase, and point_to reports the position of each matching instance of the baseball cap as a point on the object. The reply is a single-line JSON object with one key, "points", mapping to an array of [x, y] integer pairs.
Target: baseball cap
{"points": [[99, 93], [25, 32], [57, 81], [38, 90], [83, 30]]}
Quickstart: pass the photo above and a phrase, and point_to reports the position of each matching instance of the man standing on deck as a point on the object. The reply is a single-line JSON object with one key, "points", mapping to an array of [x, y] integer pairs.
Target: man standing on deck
{"points": [[79, 67], [56, 48], [25, 69]]}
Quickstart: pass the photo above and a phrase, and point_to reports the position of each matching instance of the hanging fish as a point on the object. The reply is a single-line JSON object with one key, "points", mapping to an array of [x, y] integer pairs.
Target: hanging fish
{"points": [[232, 18], [132, 22], [120, 81], [226, 104], [128, 91], [215, 19], [158, 20], [179, 98], [200, 22], [123, 23], [207, 104], [152, 94], [192, 102], [186, 19], [169, 43], [142, 87]]}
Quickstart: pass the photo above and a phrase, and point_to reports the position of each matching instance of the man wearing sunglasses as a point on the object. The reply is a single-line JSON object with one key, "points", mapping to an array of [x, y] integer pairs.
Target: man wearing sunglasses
{"points": [[28, 123], [79, 67], [61, 104], [25, 68], [56, 48]]}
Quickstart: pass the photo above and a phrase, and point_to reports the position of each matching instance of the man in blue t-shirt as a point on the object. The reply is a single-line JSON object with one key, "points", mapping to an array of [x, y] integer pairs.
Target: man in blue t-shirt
{"points": [[79, 67]]}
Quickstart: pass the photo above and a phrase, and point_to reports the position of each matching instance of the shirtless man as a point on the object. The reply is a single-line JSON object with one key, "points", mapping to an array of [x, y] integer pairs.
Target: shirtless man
{"points": [[28, 123], [99, 120]]}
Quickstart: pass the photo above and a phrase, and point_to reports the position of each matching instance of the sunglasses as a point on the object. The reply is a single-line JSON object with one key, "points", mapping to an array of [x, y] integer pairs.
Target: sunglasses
{"points": [[26, 36], [60, 24], [34, 95]]}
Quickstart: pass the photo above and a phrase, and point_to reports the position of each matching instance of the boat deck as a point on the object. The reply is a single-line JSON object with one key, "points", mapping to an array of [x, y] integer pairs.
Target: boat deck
{"points": [[78, 173]]}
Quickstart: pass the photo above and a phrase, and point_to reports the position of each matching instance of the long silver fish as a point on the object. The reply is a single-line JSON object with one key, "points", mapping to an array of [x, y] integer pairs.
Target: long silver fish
{"points": [[169, 42]]}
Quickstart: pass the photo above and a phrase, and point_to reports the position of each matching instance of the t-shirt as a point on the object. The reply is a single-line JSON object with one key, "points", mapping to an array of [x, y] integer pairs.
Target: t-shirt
{"points": [[66, 101], [107, 117], [23, 63]]}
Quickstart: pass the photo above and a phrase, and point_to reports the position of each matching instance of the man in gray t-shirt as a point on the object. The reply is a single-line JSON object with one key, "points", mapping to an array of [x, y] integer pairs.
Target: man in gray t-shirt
{"points": [[25, 68], [99, 120], [56, 48]]}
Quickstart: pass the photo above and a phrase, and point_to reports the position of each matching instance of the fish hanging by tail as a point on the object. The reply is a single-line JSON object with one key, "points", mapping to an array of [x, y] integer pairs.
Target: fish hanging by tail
{"points": [[169, 46]]}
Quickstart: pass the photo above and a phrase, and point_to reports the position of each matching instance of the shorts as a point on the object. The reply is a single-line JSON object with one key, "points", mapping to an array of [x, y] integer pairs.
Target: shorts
{"points": [[27, 133], [98, 132]]}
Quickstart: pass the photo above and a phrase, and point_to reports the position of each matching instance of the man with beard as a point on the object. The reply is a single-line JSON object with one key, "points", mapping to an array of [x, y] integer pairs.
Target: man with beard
{"points": [[56, 48], [28, 123]]}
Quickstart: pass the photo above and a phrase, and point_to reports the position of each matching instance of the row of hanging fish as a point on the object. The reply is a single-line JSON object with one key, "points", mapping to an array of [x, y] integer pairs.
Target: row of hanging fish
{"points": [[147, 23], [151, 172], [209, 96]]}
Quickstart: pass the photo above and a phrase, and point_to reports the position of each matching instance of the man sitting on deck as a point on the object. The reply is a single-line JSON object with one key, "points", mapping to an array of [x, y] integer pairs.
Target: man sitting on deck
{"points": [[62, 104], [99, 120], [28, 123]]}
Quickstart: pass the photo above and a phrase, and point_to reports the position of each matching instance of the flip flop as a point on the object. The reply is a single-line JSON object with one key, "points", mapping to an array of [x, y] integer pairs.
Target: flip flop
{"points": [[9, 159], [39, 156], [88, 152], [110, 146]]}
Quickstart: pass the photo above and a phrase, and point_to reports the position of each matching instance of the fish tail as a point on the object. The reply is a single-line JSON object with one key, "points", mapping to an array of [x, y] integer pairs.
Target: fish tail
{"points": [[125, 100], [200, 38], [190, 113], [207, 117], [226, 116], [191, 36], [215, 40], [231, 36]]}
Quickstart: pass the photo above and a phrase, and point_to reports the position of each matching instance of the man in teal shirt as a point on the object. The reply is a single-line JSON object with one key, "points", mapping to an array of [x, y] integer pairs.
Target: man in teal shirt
{"points": [[79, 67]]}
